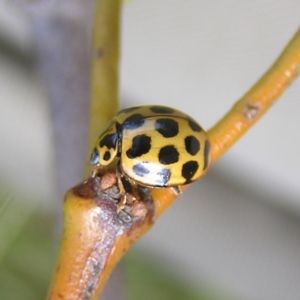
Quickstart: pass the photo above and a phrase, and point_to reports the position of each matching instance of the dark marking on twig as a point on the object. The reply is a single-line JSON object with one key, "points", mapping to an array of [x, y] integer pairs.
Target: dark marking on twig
{"points": [[100, 53], [251, 111]]}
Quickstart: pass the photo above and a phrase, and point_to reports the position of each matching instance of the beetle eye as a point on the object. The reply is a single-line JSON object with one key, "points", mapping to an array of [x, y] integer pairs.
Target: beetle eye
{"points": [[94, 160]]}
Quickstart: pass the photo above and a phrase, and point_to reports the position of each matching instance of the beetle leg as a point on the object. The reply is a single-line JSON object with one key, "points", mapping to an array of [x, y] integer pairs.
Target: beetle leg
{"points": [[177, 190], [122, 200], [126, 190]]}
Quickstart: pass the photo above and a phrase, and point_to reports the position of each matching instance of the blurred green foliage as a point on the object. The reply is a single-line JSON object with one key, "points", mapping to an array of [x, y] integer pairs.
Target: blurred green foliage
{"points": [[147, 280], [27, 249]]}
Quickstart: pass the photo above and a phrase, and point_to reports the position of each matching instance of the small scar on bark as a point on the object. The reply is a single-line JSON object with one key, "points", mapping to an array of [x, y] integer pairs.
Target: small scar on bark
{"points": [[58, 268], [100, 53], [251, 111]]}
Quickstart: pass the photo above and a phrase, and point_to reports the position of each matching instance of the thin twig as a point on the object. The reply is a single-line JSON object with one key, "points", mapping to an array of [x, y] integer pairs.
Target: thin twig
{"points": [[256, 102], [105, 67]]}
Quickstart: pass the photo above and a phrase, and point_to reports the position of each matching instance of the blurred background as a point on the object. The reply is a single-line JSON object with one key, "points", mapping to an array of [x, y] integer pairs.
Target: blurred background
{"points": [[233, 235]]}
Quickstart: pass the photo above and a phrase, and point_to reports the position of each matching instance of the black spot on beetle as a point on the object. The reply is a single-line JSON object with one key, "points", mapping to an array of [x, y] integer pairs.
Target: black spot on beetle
{"points": [[192, 145], [206, 154], [161, 109], [141, 144], [133, 122], [128, 110], [194, 126], [167, 127], [188, 170], [109, 140], [168, 155], [94, 160], [106, 156], [163, 177], [140, 169]]}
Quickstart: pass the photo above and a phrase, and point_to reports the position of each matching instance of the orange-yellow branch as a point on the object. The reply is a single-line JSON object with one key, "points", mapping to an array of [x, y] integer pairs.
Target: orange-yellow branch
{"points": [[82, 231], [94, 239], [163, 199], [255, 103]]}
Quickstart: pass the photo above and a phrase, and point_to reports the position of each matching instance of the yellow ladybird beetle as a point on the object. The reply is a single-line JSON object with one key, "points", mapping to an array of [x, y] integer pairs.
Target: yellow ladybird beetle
{"points": [[157, 146]]}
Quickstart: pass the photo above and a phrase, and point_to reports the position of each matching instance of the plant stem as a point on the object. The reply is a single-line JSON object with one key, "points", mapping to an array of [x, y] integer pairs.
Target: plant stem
{"points": [[255, 103], [105, 67]]}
